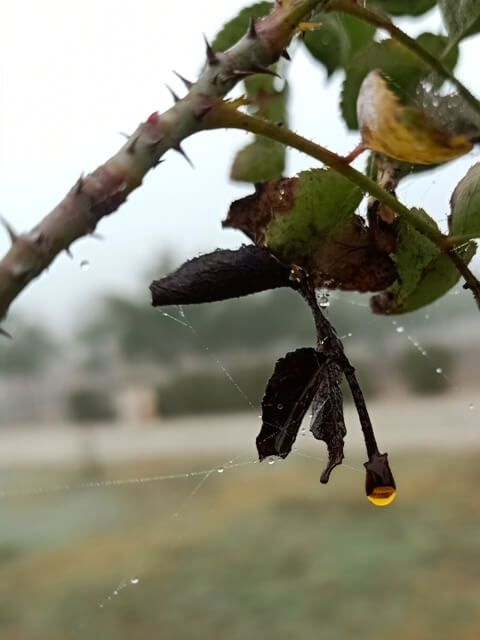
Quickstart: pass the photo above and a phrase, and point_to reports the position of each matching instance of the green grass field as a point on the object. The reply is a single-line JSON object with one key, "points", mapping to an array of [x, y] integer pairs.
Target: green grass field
{"points": [[260, 551]]}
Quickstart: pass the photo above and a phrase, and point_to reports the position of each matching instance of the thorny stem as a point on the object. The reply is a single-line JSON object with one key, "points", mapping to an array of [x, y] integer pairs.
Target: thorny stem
{"points": [[332, 347], [107, 187], [383, 22], [223, 115]]}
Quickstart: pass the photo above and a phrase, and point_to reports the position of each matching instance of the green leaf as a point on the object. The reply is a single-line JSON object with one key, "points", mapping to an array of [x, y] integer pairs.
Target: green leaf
{"points": [[324, 203], [424, 272], [436, 45], [406, 7], [233, 30], [461, 17], [263, 159], [329, 44], [402, 69], [465, 205], [359, 32], [337, 39]]}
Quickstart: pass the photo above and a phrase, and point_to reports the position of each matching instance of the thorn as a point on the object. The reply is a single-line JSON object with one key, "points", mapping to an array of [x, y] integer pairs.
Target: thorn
{"points": [[97, 236], [174, 95], [124, 135], [285, 55], [131, 147], [69, 253], [5, 333], [252, 32], [258, 68], [211, 55], [79, 185], [179, 149], [13, 235], [238, 73], [186, 82], [157, 163]]}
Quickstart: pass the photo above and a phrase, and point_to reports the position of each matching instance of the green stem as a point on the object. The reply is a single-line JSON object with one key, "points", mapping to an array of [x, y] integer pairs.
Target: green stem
{"points": [[224, 115], [383, 22]]}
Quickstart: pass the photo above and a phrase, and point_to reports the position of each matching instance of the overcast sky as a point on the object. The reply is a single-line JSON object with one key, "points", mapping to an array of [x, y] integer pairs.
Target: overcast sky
{"points": [[74, 74]]}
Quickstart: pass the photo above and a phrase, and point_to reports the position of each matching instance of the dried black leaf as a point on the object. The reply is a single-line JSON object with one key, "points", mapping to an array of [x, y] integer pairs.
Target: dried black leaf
{"points": [[328, 423], [220, 275], [288, 395]]}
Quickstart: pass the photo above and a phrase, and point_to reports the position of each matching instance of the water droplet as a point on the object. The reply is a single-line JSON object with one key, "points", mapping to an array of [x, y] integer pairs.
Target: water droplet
{"points": [[380, 484], [427, 316], [271, 461], [349, 334], [84, 265], [439, 370], [134, 580], [115, 593], [279, 406], [381, 496], [323, 301], [471, 406], [220, 470], [400, 329]]}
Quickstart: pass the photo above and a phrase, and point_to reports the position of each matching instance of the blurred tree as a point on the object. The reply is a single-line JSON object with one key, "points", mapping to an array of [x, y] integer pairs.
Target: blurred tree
{"points": [[30, 350], [426, 374]]}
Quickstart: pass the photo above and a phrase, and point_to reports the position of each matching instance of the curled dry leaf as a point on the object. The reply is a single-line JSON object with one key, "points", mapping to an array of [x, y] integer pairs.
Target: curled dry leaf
{"points": [[288, 395], [220, 275], [328, 423], [403, 132], [310, 221]]}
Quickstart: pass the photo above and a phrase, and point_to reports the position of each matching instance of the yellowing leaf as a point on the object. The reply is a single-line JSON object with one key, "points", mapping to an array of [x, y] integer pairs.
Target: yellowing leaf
{"points": [[403, 132]]}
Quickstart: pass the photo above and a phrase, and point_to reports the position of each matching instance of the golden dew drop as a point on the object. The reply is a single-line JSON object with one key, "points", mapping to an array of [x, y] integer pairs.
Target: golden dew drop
{"points": [[379, 483]]}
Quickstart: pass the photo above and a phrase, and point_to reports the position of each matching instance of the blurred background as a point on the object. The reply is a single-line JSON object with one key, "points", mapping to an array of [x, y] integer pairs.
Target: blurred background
{"points": [[131, 502]]}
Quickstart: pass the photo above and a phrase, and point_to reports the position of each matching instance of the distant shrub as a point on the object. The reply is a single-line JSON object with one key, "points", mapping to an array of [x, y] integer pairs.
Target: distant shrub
{"points": [[90, 405], [429, 373], [214, 392]]}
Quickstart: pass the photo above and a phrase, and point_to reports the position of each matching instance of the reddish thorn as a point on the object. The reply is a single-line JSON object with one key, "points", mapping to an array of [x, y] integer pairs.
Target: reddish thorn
{"points": [[153, 118]]}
